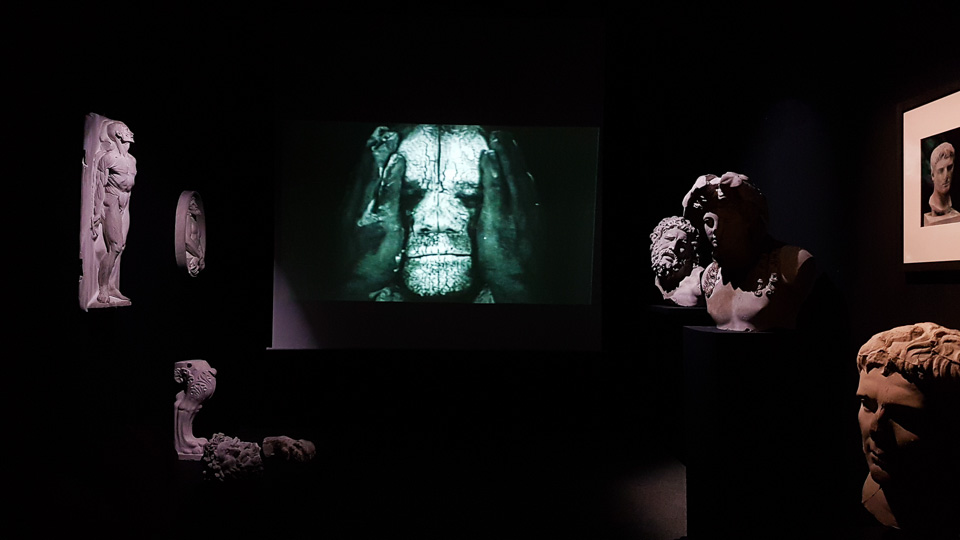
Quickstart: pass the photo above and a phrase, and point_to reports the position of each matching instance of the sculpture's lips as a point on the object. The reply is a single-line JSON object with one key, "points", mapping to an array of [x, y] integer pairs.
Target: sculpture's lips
{"points": [[877, 465], [445, 245], [439, 247], [444, 254], [876, 458]]}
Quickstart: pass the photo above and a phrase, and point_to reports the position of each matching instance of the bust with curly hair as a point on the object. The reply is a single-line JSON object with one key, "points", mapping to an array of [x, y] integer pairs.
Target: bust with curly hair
{"points": [[754, 282], [675, 261], [909, 417]]}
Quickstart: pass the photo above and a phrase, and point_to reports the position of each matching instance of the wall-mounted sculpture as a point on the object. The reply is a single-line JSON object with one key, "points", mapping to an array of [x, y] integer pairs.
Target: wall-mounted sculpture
{"points": [[909, 415], [941, 172], [190, 233], [108, 177], [442, 213], [676, 262], [754, 281], [199, 381]]}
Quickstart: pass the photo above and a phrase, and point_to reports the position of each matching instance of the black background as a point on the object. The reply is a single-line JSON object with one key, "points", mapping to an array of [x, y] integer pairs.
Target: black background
{"points": [[461, 441]]}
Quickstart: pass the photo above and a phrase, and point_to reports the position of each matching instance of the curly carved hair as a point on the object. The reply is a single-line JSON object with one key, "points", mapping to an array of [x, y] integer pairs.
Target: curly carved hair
{"points": [[941, 152], [684, 224], [710, 192], [675, 222], [923, 353]]}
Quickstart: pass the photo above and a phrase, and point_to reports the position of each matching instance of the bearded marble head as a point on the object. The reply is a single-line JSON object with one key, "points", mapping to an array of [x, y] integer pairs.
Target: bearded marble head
{"points": [[673, 247]]}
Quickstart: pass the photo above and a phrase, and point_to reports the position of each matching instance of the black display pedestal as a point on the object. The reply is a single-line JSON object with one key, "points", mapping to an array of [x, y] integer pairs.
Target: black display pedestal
{"points": [[761, 434], [661, 372]]}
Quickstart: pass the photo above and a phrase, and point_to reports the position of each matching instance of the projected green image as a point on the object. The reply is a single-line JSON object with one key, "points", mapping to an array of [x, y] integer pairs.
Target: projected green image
{"points": [[429, 213], [444, 213]]}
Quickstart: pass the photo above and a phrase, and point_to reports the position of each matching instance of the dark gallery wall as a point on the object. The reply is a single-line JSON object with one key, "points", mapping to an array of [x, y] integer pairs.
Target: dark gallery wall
{"points": [[408, 440], [433, 440], [809, 108]]}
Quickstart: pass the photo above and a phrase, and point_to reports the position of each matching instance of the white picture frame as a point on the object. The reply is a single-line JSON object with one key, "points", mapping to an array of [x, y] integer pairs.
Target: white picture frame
{"points": [[927, 244]]}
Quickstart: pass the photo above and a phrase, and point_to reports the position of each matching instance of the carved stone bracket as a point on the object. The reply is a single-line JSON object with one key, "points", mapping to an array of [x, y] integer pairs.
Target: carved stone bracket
{"points": [[199, 382]]}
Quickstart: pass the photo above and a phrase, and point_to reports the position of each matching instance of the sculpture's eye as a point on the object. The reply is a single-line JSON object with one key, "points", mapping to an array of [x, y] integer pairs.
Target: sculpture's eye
{"points": [[471, 199], [868, 403], [189, 365], [410, 195]]}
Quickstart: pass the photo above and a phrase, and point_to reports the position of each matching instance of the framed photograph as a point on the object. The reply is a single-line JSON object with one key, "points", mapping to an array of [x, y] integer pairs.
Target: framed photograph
{"points": [[931, 194]]}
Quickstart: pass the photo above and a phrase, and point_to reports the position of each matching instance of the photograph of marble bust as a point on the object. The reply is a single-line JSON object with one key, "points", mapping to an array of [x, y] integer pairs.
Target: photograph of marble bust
{"points": [[938, 185], [755, 283], [909, 393], [676, 262]]}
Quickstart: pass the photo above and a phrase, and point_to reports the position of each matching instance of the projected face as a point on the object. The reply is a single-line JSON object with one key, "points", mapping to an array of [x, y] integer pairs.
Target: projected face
{"points": [[440, 198]]}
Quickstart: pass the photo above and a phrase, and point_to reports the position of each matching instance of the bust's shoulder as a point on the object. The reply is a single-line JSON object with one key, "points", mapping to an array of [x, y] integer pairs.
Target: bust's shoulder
{"points": [[795, 262]]}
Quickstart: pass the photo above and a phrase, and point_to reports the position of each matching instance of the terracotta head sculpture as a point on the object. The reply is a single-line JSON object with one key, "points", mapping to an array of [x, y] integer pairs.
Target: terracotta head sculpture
{"points": [[909, 417]]}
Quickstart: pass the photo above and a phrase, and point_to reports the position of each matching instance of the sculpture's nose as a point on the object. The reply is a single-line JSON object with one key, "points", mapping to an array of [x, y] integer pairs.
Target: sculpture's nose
{"points": [[877, 421], [438, 213]]}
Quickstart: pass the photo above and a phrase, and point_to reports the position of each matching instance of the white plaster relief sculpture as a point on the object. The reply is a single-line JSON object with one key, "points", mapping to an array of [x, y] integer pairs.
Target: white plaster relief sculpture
{"points": [[673, 254], [941, 211], [190, 233], [755, 283], [108, 177], [199, 381], [909, 394]]}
